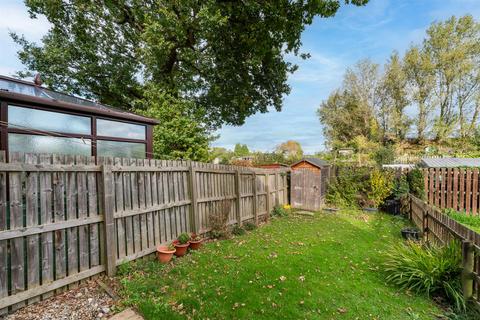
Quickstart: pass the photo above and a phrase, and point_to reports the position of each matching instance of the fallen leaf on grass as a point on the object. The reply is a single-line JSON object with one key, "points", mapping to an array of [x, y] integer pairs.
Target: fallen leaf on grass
{"points": [[342, 310], [282, 278]]}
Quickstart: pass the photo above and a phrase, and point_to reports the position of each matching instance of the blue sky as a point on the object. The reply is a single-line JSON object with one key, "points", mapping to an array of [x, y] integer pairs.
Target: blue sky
{"points": [[335, 43]]}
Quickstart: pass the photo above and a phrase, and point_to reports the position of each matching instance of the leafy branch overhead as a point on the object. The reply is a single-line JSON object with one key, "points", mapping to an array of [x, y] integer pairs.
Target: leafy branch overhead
{"points": [[227, 57]]}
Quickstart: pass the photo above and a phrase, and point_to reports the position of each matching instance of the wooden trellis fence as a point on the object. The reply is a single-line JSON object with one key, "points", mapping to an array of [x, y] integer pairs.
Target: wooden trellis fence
{"points": [[455, 188], [68, 218], [440, 228]]}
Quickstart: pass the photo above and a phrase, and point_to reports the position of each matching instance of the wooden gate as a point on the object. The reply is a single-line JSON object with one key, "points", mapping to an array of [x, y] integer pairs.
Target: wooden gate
{"points": [[306, 189]]}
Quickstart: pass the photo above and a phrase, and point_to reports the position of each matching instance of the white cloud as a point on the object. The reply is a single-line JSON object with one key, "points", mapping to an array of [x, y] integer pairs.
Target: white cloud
{"points": [[15, 18]]}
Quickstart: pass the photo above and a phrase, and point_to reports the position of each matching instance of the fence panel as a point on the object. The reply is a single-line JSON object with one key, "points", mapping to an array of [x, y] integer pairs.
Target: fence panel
{"points": [[67, 218], [456, 188], [439, 228]]}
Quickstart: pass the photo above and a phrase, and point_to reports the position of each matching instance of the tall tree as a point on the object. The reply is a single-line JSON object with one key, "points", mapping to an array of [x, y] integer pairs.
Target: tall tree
{"points": [[420, 77], [241, 150], [225, 56], [290, 149], [454, 49], [394, 99]]}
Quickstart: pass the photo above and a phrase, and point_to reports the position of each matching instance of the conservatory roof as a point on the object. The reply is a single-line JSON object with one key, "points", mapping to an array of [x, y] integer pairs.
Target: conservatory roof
{"points": [[15, 89]]}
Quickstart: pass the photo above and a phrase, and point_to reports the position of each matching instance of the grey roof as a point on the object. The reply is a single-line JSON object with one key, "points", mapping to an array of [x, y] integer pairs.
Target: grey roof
{"points": [[315, 161], [449, 162]]}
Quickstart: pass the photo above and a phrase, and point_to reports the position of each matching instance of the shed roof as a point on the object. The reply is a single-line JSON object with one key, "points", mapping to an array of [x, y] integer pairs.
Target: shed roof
{"points": [[449, 162], [15, 89], [314, 161]]}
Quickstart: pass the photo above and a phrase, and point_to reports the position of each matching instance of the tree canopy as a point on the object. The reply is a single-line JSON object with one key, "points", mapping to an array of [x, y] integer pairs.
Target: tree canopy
{"points": [[225, 57], [439, 79]]}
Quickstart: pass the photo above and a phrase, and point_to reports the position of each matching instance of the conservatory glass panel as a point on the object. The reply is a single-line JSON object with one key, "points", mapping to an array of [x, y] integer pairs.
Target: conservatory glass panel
{"points": [[118, 129], [121, 149], [27, 118], [43, 144]]}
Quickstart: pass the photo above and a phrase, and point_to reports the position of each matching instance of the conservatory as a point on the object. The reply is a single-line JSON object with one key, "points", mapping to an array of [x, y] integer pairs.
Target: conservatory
{"points": [[38, 120]]}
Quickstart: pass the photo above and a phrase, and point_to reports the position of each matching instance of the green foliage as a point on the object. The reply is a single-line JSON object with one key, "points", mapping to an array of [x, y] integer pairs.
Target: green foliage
{"points": [[401, 187], [346, 188], [381, 185], [238, 231], [241, 150], [180, 134], [439, 77], [280, 211], [227, 58], [183, 238], [416, 183], [384, 155], [291, 150], [473, 222], [430, 270], [249, 226]]}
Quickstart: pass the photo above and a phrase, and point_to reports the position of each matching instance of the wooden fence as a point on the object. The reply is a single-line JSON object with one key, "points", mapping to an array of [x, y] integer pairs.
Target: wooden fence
{"points": [[68, 218], [455, 188], [440, 228]]}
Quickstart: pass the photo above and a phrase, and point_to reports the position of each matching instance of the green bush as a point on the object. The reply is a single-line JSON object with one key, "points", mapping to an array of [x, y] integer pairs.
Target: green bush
{"points": [[279, 211], [381, 185], [416, 183], [249, 226], [401, 187], [431, 270], [346, 189], [384, 155], [238, 231]]}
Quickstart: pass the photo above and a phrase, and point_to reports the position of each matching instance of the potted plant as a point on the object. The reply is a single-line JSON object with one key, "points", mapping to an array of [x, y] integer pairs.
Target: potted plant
{"points": [[195, 241], [181, 244], [165, 253]]}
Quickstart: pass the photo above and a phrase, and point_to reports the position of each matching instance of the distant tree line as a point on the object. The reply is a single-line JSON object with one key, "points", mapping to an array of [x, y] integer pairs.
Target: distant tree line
{"points": [[439, 79]]}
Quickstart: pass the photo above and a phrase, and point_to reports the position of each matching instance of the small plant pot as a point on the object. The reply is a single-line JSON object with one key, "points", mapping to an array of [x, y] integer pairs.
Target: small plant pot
{"points": [[195, 245], [181, 249], [411, 234], [164, 255]]}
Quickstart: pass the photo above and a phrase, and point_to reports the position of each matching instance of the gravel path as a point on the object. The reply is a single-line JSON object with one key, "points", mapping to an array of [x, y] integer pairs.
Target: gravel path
{"points": [[88, 301]]}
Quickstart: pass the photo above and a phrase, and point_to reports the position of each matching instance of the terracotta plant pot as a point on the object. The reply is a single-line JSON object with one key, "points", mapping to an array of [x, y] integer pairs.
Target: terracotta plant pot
{"points": [[181, 249], [195, 245], [164, 255]]}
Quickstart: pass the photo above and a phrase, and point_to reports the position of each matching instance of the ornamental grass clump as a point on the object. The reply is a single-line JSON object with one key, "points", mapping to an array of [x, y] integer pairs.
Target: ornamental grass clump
{"points": [[427, 269]]}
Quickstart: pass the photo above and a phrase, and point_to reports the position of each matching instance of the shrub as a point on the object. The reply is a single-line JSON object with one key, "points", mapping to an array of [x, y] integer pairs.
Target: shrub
{"points": [[249, 226], [347, 187], [416, 183], [218, 219], [384, 155], [381, 185], [183, 238], [279, 211], [401, 187], [432, 270], [238, 231]]}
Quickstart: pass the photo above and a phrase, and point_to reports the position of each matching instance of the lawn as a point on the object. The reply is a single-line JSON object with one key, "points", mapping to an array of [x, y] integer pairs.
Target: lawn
{"points": [[322, 267]]}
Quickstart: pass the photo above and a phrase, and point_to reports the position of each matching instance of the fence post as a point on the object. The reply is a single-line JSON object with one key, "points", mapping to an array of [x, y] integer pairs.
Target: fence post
{"points": [[277, 189], [269, 200], [255, 210], [109, 221], [193, 199], [425, 223], [238, 195], [467, 269]]}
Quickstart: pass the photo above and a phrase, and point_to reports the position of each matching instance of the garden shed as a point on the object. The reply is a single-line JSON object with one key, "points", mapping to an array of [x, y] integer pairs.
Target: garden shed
{"points": [[38, 120], [309, 178]]}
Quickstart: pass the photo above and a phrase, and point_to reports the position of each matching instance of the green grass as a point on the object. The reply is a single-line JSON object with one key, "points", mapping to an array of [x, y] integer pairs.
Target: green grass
{"points": [[472, 222], [325, 267]]}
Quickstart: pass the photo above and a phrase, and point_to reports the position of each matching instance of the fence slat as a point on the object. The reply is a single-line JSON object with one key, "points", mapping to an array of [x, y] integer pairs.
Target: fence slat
{"points": [[3, 244]]}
